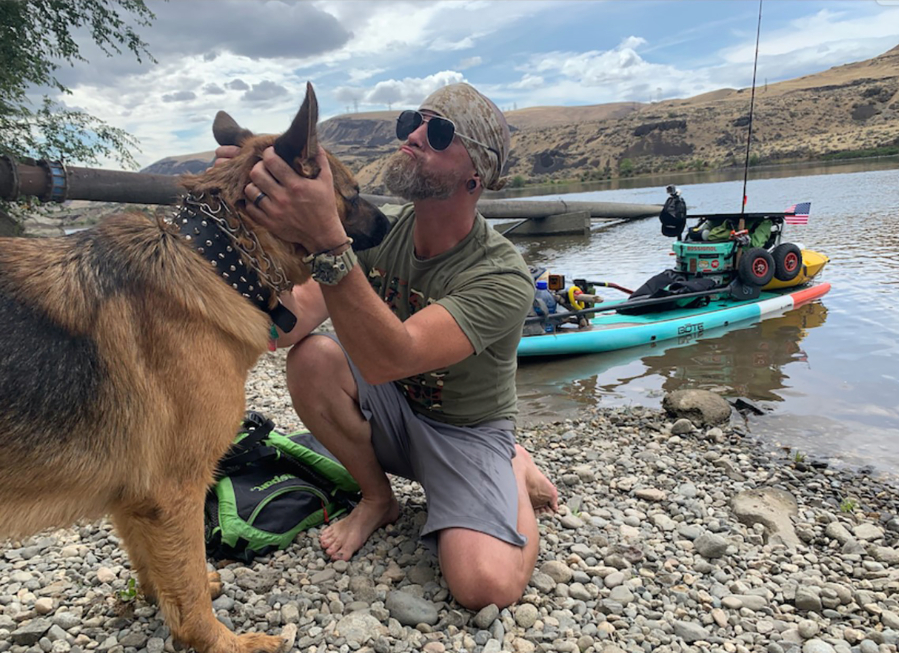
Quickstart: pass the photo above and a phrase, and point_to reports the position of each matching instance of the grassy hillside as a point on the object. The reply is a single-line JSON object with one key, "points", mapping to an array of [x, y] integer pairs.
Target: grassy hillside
{"points": [[847, 111]]}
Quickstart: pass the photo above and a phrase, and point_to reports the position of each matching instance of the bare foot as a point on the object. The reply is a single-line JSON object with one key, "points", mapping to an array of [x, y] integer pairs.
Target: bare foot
{"points": [[543, 494], [343, 538]]}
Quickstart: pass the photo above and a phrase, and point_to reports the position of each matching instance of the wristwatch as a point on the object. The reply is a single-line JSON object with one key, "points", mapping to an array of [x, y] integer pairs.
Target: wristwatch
{"points": [[329, 268]]}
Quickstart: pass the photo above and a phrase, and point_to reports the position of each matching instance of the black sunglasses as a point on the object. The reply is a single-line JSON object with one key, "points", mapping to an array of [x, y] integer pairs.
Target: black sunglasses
{"points": [[440, 130]]}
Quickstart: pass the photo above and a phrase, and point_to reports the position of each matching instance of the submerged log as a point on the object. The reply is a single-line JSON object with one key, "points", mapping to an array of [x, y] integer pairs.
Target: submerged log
{"points": [[520, 209], [576, 223], [544, 208]]}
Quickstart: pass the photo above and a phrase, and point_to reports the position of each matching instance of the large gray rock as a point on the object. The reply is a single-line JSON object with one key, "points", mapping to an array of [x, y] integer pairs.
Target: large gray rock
{"points": [[885, 554], [690, 632], [868, 531], [710, 546], [410, 610], [836, 531], [526, 615], [557, 570], [487, 615], [772, 508], [701, 407], [807, 598], [817, 646], [890, 619], [31, 632], [360, 627]]}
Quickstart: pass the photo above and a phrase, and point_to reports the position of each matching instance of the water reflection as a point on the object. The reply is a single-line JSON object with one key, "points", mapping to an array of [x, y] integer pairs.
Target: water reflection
{"points": [[746, 362]]}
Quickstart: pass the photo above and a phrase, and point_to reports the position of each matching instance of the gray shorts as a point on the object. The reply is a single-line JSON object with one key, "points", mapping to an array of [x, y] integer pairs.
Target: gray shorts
{"points": [[465, 471]]}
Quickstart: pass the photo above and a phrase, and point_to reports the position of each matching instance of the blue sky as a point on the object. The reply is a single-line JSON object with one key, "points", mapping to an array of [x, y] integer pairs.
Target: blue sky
{"points": [[253, 58]]}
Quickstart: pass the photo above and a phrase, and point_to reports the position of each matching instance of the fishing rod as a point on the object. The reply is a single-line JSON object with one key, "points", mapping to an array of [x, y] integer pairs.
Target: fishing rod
{"points": [[758, 32]]}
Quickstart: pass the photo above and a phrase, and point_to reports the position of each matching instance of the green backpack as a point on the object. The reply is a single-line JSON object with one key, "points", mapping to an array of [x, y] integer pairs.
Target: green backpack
{"points": [[271, 486]]}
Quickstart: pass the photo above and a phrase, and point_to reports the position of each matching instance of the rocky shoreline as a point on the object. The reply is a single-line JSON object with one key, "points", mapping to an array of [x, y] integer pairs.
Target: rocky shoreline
{"points": [[671, 537]]}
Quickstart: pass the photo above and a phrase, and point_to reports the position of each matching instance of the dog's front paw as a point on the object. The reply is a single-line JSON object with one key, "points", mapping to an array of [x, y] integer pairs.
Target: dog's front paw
{"points": [[258, 643], [215, 585]]}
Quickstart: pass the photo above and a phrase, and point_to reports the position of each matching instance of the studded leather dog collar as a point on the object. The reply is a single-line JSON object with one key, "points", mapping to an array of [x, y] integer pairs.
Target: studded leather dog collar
{"points": [[209, 225]]}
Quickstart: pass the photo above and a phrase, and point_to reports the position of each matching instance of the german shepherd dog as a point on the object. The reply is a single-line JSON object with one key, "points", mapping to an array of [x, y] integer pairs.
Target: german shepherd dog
{"points": [[124, 351]]}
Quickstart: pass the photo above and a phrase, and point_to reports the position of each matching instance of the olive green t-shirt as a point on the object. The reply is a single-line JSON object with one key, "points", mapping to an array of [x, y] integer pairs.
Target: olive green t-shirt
{"points": [[484, 283]]}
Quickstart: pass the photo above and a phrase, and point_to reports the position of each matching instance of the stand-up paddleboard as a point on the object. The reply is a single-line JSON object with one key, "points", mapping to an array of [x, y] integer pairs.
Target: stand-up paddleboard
{"points": [[611, 331]]}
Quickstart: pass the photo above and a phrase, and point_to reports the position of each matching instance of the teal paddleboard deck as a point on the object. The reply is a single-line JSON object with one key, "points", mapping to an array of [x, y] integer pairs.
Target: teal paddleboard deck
{"points": [[611, 331]]}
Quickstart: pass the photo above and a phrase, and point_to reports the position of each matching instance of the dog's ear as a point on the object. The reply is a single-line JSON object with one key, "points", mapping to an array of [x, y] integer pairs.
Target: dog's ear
{"points": [[227, 131], [301, 140]]}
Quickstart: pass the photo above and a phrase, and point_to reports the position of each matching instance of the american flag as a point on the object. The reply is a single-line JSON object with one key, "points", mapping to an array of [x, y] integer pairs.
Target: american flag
{"points": [[798, 213]]}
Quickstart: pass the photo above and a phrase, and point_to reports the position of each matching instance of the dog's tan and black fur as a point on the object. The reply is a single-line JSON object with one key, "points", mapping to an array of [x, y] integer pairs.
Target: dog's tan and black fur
{"points": [[123, 359]]}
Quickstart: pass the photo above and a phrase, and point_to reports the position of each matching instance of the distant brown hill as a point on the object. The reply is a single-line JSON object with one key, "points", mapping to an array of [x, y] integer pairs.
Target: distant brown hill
{"points": [[842, 111], [178, 165]]}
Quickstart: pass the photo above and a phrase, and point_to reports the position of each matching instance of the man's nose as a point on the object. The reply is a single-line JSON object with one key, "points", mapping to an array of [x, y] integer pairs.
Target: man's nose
{"points": [[419, 135]]}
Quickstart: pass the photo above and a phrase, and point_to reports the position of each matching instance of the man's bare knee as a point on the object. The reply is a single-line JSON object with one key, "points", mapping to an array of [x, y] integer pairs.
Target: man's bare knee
{"points": [[484, 587], [478, 581], [314, 365]]}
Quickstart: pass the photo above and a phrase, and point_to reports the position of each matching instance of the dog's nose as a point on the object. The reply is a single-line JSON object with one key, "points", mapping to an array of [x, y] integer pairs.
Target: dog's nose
{"points": [[372, 229], [382, 226]]}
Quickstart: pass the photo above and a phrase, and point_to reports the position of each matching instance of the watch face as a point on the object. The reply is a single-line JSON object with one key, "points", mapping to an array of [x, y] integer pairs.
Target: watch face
{"points": [[331, 269]]}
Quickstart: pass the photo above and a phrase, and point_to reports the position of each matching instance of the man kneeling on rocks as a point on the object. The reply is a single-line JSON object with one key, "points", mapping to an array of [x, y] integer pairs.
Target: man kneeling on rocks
{"points": [[420, 379]]}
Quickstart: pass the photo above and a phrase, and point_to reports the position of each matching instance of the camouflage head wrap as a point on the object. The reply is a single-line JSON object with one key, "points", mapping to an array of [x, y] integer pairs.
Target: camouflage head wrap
{"points": [[476, 117]]}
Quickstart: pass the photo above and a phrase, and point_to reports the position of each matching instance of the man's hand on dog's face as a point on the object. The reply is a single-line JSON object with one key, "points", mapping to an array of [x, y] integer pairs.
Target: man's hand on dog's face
{"points": [[225, 152], [295, 209]]}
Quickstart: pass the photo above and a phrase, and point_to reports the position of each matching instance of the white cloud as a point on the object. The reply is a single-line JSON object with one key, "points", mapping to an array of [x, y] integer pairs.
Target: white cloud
{"points": [[179, 96], [394, 92], [356, 75], [823, 32], [444, 45], [528, 81], [254, 58], [620, 74], [470, 62], [264, 91]]}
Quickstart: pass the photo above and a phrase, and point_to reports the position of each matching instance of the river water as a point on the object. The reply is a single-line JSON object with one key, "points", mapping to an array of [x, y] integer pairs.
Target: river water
{"points": [[826, 375]]}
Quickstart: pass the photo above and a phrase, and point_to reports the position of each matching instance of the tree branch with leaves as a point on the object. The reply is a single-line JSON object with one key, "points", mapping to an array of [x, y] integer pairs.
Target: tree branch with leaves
{"points": [[36, 38]]}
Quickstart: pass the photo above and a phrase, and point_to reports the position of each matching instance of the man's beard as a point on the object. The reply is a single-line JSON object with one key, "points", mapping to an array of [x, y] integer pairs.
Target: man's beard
{"points": [[405, 178]]}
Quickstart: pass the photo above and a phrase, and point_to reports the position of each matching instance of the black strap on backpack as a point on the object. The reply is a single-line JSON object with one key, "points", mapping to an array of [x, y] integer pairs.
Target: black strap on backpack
{"points": [[249, 449]]}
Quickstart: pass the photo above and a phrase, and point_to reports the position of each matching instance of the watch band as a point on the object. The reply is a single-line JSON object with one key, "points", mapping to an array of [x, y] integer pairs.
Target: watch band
{"points": [[311, 257]]}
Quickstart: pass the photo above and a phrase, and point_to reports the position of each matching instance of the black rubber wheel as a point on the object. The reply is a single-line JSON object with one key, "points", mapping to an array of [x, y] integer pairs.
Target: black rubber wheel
{"points": [[756, 266], [787, 261]]}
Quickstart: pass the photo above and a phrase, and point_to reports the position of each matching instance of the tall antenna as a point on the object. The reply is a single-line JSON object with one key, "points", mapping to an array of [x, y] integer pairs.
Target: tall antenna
{"points": [[755, 64]]}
